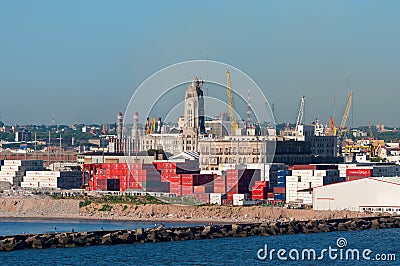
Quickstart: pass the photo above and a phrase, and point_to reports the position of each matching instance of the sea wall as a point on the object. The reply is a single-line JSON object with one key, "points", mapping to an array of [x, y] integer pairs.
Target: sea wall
{"points": [[161, 234]]}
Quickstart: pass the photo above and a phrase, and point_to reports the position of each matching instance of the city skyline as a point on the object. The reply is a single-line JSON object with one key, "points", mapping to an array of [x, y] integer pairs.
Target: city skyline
{"points": [[82, 61]]}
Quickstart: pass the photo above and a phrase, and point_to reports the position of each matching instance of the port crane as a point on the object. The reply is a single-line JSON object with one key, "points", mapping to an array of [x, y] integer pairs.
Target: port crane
{"points": [[234, 124], [301, 112], [345, 115], [330, 128]]}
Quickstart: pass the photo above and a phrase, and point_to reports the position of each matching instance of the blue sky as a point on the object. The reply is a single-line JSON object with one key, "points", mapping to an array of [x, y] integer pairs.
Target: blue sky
{"points": [[82, 60]]}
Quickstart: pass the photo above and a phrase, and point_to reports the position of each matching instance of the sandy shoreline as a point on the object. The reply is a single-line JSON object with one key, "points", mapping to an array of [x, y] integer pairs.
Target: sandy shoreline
{"points": [[42, 207]]}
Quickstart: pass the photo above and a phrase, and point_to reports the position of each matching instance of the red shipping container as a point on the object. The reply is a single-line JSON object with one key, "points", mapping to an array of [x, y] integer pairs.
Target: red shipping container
{"points": [[175, 180], [302, 167], [258, 191], [361, 172], [259, 197], [270, 195], [219, 190], [136, 166], [280, 190], [187, 190], [199, 189], [232, 172], [234, 189]]}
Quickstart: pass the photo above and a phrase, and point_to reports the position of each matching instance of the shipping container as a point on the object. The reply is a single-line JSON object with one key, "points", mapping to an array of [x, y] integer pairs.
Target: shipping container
{"points": [[279, 190], [302, 167], [29, 184], [279, 196], [361, 172], [199, 189], [113, 184]]}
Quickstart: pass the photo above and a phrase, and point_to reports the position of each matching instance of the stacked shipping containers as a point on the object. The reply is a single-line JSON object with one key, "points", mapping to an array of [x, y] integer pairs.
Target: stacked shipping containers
{"points": [[303, 179], [259, 190], [13, 171], [52, 179], [280, 188]]}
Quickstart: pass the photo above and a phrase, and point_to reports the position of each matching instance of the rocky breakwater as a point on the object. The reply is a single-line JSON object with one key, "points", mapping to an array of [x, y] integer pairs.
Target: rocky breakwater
{"points": [[161, 234]]}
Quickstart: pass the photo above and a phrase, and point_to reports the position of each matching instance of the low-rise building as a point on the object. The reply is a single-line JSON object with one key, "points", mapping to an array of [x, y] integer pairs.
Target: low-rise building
{"points": [[375, 194]]}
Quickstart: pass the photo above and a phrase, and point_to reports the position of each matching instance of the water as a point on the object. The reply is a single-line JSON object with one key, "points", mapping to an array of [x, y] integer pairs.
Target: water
{"points": [[225, 251], [10, 226]]}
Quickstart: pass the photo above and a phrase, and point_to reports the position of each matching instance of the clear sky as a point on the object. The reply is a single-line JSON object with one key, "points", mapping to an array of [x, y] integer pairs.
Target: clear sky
{"points": [[82, 60]]}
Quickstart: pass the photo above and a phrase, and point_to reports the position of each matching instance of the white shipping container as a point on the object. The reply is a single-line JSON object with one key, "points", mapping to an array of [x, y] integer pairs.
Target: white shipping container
{"points": [[319, 172], [7, 173], [292, 178], [23, 162], [10, 168], [302, 172], [48, 185], [238, 199], [31, 179], [47, 178], [29, 184], [302, 184], [43, 173], [310, 178], [12, 162], [216, 198], [9, 179]]}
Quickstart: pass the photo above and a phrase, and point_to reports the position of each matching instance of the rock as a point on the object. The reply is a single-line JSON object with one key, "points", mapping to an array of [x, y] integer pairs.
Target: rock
{"points": [[341, 227], [375, 224], [106, 240], [63, 239], [80, 241], [38, 243], [7, 244], [50, 242], [160, 227]]}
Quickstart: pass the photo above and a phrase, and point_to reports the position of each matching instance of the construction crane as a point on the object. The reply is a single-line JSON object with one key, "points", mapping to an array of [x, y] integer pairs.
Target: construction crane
{"points": [[331, 129], [345, 115], [301, 112], [231, 105]]}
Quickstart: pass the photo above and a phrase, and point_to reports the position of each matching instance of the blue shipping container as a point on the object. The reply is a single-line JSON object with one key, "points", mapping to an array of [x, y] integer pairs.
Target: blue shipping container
{"points": [[279, 196], [280, 184], [282, 172]]}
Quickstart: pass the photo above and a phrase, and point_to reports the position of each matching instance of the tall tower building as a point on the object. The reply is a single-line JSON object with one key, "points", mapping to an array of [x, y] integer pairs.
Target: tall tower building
{"points": [[193, 116]]}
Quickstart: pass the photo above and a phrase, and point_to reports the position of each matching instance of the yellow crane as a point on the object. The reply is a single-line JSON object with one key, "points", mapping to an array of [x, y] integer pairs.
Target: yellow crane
{"points": [[345, 115], [231, 105]]}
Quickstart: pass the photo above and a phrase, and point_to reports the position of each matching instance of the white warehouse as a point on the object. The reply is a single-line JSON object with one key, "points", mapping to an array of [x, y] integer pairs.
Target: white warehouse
{"points": [[376, 194]]}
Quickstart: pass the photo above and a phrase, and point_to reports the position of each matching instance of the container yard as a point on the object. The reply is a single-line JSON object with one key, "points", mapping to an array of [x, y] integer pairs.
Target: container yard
{"points": [[31, 174]]}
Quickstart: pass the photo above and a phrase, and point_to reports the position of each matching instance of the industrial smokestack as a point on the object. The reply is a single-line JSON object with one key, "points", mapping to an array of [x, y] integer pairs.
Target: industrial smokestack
{"points": [[119, 125]]}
